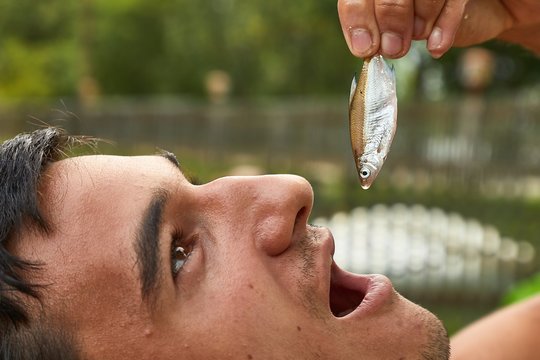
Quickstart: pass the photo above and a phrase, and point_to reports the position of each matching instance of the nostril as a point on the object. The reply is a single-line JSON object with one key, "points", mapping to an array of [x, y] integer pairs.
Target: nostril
{"points": [[278, 236], [301, 217]]}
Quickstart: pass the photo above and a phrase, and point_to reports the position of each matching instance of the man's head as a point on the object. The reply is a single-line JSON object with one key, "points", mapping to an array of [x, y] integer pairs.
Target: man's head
{"points": [[140, 263]]}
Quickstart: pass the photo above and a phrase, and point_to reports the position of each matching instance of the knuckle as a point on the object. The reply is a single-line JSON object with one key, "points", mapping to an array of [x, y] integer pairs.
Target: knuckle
{"points": [[394, 15], [393, 7], [429, 8]]}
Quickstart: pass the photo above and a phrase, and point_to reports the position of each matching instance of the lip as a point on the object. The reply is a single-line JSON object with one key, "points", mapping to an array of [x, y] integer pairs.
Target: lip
{"points": [[374, 290], [327, 241]]}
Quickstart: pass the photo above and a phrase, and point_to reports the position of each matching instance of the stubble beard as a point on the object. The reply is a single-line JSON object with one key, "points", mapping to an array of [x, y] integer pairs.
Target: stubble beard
{"points": [[438, 343], [437, 346]]}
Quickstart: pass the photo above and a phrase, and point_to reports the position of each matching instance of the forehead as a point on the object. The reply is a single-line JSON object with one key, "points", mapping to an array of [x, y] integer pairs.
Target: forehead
{"points": [[98, 170], [91, 198], [96, 181]]}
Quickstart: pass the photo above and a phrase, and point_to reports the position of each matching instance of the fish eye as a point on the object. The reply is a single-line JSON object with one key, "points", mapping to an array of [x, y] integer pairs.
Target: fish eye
{"points": [[364, 173]]}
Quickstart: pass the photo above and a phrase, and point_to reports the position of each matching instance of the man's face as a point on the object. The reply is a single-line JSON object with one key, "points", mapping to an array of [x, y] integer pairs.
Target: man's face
{"points": [[145, 265]]}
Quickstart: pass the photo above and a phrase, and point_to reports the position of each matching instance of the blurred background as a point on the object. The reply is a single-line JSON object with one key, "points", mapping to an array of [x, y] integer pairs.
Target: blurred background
{"points": [[262, 87]]}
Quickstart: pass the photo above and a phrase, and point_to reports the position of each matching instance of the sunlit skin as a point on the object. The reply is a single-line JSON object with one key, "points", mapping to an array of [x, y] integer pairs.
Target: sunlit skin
{"points": [[509, 333], [255, 285]]}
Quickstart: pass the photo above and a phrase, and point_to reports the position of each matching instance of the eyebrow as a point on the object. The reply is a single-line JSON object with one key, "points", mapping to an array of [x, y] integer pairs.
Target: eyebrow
{"points": [[174, 160], [169, 156], [147, 242], [147, 246]]}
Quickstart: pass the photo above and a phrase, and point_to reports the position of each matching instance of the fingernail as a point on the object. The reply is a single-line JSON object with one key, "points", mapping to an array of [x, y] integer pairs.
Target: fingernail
{"points": [[435, 39], [419, 26], [391, 44], [361, 41]]}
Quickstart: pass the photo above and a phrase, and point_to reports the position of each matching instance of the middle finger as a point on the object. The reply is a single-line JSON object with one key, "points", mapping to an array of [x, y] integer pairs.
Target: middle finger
{"points": [[395, 20]]}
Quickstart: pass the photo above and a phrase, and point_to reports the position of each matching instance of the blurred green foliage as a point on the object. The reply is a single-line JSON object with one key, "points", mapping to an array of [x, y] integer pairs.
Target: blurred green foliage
{"points": [[136, 47], [526, 288], [38, 48]]}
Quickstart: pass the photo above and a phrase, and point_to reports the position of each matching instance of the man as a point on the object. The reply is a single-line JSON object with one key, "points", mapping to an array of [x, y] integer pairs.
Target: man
{"points": [[135, 262], [106, 257]]}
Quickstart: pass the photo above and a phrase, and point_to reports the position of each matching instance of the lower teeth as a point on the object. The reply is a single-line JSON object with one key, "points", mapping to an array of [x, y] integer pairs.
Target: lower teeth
{"points": [[345, 312]]}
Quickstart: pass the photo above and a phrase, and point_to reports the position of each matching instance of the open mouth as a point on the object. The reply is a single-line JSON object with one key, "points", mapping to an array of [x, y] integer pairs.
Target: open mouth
{"points": [[354, 294], [344, 298]]}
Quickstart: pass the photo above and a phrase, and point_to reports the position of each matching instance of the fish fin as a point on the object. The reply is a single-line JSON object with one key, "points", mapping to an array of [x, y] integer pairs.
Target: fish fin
{"points": [[393, 70], [354, 83], [381, 148]]}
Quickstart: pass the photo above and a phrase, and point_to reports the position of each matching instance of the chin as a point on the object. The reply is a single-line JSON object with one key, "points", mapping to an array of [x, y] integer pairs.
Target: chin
{"points": [[424, 332]]}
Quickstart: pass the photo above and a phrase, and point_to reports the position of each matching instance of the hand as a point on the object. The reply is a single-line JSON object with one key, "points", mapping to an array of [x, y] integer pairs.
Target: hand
{"points": [[388, 26]]}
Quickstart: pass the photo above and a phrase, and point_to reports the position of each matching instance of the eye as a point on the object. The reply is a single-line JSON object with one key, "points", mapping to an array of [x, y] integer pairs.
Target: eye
{"points": [[179, 255], [179, 258], [364, 173]]}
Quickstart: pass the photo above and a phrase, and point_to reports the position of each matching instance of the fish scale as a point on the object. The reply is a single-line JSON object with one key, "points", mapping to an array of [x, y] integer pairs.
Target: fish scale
{"points": [[372, 117]]}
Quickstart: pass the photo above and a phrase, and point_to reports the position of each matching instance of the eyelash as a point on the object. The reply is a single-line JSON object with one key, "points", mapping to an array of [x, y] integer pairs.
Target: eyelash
{"points": [[179, 254]]}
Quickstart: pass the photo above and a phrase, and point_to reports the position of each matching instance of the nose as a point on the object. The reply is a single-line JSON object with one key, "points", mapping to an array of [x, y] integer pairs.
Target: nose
{"points": [[268, 210]]}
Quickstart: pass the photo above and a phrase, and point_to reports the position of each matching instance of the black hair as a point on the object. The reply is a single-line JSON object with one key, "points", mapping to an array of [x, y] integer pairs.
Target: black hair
{"points": [[22, 161]]}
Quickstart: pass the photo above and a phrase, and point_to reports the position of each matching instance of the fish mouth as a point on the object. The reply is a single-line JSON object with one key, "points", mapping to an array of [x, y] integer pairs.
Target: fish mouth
{"points": [[367, 172]]}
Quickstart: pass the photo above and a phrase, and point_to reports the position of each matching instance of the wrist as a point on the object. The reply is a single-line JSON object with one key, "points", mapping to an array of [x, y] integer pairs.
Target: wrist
{"points": [[525, 36]]}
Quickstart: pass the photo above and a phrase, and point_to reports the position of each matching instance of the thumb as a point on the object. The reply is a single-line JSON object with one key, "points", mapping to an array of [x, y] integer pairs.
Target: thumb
{"points": [[483, 20]]}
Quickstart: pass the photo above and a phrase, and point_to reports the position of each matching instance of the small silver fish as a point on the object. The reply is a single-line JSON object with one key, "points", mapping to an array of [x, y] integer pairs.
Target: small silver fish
{"points": [[372, 117]]}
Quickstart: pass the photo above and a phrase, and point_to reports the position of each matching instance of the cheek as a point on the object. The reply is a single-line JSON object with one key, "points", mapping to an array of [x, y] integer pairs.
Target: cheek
{"points": [[232, 328], [243, 311], [265, 329]]}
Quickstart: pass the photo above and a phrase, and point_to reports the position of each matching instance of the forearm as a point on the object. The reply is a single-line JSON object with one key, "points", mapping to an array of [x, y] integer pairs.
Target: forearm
{"points": [[511, 333]]}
